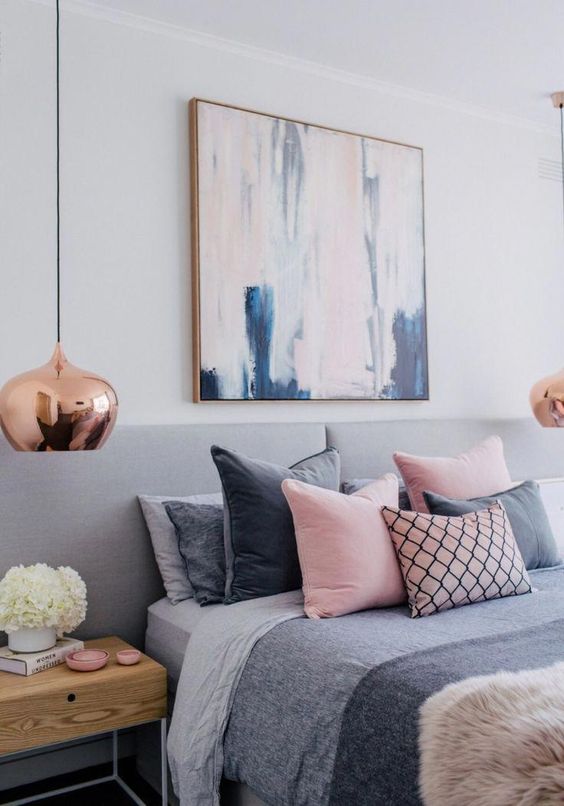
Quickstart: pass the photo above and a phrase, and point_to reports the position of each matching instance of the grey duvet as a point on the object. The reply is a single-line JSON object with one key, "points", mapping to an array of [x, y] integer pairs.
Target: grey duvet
{"points": [[325, 712]]}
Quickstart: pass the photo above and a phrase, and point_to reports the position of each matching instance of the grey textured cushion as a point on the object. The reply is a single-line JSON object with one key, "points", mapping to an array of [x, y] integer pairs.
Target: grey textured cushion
{"points": [[526, 514], [199, 530], [260, 545], [354, 485], [165, 544]]}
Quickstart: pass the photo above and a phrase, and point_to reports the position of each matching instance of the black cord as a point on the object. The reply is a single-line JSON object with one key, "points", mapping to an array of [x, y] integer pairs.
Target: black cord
{"points": [[562, 155], [58, 198]]}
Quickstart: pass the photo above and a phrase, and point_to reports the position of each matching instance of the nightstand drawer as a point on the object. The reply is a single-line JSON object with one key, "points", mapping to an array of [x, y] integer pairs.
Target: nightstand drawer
{"points": [[59, 704]]}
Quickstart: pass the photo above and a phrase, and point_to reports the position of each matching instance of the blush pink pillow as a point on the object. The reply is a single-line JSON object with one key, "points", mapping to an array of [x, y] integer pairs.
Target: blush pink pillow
{"points": [[346, 555], [479, 471]]}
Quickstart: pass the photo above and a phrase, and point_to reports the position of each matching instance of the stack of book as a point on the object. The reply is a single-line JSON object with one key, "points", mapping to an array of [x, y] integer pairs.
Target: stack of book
{"points": [[27, 663]]}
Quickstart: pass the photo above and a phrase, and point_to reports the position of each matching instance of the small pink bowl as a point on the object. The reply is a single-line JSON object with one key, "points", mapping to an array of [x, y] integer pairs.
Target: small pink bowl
{"points": [[87, 660], [127, 657]]}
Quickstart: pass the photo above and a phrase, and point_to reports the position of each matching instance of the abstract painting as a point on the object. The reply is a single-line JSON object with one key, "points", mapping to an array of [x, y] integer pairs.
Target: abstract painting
{"points": [[308, 261]]}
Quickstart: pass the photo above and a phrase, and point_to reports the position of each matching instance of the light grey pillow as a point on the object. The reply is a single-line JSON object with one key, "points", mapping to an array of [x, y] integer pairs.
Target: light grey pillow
{"points": [[526, 513], [199, 530], [354, 485], [165, 543]]}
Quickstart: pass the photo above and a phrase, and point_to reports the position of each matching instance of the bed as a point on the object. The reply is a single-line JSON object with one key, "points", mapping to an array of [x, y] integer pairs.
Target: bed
{"points": [[323, 713], [351, 688]]}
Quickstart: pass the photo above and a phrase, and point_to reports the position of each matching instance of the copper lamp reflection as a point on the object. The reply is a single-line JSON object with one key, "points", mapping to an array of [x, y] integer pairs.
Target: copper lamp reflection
{"points": [[547, 400], [57, 407]]}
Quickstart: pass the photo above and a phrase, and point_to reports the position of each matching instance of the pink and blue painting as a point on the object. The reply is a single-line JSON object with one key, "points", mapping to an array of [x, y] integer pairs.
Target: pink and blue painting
{"points": [[309, 261]]}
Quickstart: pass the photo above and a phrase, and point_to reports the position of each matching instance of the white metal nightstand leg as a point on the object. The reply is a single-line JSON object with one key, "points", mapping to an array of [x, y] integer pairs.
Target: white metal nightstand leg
{"points": [[115, 770], [135, 798], [164, 768], [164, 764]]}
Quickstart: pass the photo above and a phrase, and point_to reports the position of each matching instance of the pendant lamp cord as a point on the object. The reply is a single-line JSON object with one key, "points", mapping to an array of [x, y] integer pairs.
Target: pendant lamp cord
{"points": [[562, 155], [58, 197]]}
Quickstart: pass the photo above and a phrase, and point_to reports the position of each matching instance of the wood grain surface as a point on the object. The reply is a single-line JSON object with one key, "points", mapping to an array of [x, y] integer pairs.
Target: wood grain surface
{"points": [[59, 704]]}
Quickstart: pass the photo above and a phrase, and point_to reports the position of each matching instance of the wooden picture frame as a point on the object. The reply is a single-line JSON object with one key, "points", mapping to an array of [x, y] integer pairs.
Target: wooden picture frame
{"points": [[243, 346]]}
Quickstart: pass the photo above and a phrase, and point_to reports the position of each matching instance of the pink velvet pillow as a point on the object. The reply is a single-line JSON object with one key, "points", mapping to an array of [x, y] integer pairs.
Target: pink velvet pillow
{"points": [[346, 555], [479, 471]]}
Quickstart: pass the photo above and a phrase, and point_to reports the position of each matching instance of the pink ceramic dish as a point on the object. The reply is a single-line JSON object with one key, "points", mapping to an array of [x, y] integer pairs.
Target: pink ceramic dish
{"points": [[127, 657], [87, 660]]}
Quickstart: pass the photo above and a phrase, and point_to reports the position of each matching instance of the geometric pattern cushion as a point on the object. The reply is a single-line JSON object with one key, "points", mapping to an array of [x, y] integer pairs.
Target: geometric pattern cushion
{"points": [[453, 561]]}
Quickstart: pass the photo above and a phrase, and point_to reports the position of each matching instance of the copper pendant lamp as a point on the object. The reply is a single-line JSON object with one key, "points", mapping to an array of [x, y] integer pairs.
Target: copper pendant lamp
{"points": [[547, 395], [57, 407]]}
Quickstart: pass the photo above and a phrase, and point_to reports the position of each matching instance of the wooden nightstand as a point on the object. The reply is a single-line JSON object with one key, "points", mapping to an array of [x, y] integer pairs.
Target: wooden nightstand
{"points": [[59, 705]]}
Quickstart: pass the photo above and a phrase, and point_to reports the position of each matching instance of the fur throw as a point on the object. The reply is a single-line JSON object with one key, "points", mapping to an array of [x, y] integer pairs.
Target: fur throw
{"points": [[496, 740]]}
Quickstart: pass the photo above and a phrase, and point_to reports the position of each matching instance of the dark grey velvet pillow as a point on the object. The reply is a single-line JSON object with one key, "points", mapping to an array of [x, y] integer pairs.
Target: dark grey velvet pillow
{"points": [[260, 545], [526, 514], [199, 529], [354, 485]]}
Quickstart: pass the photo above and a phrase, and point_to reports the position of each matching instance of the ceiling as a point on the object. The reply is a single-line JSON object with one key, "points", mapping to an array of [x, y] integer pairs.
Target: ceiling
{"points": [[506, 55]]}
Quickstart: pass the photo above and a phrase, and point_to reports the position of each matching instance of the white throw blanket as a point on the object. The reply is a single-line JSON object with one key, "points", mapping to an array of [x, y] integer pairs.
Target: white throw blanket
{"points": [[215, 658], [496, 740]]}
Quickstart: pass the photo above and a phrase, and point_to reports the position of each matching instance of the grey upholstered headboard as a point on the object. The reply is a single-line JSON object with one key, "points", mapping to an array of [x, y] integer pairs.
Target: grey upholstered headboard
{"points": [[367, 448], [81, 509]]}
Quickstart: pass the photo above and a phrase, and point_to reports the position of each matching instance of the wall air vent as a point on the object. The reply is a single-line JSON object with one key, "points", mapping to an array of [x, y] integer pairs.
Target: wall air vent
{"points": [[550, 169]]}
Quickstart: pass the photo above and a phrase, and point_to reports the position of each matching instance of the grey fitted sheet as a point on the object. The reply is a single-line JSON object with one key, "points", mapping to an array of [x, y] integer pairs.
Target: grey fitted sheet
{"points": [[168, 631]]}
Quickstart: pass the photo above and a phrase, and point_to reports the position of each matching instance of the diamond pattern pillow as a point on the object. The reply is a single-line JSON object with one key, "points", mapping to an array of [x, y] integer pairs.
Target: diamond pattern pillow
{"points": [[453, 561]]}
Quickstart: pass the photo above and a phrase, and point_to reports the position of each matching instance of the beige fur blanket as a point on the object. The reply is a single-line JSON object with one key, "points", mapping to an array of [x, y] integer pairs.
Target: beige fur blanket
{"points": [[496, 740]]}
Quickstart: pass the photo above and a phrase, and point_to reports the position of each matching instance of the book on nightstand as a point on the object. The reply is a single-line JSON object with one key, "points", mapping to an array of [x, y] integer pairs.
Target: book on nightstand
{"points": [[27, 663]]}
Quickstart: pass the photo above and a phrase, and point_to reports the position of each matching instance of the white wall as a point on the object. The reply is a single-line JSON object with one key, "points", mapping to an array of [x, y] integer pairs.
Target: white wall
{"points": [[495, 258]]}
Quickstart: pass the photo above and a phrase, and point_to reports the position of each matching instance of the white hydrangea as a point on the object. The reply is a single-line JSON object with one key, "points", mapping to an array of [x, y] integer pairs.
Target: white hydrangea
{"points": [[40, 596]]}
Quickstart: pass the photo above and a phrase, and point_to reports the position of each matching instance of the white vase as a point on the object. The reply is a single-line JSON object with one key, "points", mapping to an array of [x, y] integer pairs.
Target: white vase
{"points": [[32, 639]]}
